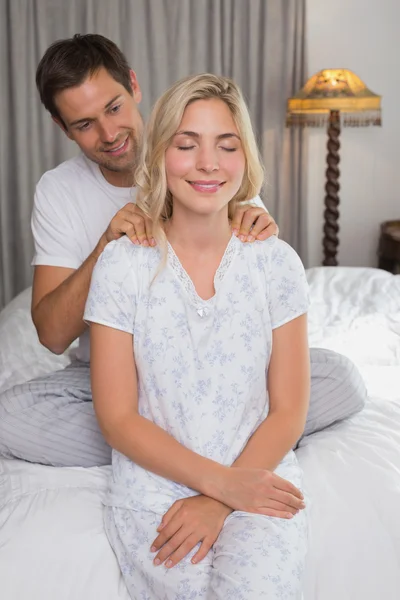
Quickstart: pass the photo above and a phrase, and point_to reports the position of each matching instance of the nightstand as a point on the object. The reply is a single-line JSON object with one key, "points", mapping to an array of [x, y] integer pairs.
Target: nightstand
{"points": [[389, 247]]}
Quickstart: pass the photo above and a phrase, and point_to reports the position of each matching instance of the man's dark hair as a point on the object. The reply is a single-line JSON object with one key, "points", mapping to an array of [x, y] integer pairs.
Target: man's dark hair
{"points": [[67, 63]]}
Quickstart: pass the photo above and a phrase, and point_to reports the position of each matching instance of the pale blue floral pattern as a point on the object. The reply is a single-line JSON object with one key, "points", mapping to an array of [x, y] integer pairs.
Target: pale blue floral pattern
{"points": [[202, 369]]}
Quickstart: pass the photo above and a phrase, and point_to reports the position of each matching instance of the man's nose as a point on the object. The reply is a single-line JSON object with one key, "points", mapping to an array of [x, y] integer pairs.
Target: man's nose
{"points": [[108, 132]]}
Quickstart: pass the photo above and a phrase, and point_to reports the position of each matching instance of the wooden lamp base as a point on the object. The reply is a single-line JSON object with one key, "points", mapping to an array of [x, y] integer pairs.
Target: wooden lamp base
{"points": [[331, 213]]}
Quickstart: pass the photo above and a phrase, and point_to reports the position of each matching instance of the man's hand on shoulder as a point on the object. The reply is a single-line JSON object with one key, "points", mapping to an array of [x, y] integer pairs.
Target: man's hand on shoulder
{"points": [[249, 223], [252, 223], [132, 222]]}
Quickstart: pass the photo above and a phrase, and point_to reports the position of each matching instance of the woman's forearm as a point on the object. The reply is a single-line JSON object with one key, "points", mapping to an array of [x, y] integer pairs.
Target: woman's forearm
{"points": [[115, 399], [271, 441], [152, 448], [288, 385]]}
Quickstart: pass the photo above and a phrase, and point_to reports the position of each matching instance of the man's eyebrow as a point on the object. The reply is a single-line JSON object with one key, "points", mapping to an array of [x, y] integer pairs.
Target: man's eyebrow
{"points": [[78, 121], [85, 120], [112, 101], [222, 136]]}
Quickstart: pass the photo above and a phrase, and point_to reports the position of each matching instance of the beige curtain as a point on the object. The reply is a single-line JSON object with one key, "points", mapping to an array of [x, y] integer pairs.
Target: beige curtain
{"points": [[257, 42]]}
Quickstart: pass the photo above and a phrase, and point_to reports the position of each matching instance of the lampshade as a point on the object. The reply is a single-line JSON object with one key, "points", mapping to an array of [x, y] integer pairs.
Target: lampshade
{"points": [[334, 90]]}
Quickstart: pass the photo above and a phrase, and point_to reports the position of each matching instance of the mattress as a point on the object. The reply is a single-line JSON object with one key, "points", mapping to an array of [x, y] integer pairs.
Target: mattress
{"points": [[52, 542]]}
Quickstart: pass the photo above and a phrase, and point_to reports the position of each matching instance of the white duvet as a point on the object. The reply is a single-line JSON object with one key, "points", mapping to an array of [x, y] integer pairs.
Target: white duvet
{"points": [[52, 543]]}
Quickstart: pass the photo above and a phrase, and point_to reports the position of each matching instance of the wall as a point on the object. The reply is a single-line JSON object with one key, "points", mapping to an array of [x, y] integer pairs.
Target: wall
{"points": [[362, 37]]}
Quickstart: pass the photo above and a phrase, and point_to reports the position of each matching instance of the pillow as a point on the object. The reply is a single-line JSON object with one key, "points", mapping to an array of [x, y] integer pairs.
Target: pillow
{"points": [[22, 357]]}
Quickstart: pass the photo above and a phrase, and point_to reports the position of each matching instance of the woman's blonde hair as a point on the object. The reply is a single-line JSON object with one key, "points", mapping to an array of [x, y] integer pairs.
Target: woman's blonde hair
{"points": [[153, 196]]}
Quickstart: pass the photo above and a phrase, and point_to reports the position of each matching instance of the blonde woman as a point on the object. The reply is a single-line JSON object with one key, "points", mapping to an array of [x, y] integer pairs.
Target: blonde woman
{"points": [[200, 368]]}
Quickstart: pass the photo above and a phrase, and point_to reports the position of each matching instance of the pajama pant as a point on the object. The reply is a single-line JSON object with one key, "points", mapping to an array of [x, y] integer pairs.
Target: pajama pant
{"points": [[254, 557], [51, 420]]}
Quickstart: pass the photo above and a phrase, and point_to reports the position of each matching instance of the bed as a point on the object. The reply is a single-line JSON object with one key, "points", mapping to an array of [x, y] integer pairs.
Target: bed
{"points": [[52, 543]]}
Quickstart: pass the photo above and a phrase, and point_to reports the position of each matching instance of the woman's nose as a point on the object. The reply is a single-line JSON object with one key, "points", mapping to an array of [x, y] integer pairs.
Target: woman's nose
{"points": [[207, 160]]}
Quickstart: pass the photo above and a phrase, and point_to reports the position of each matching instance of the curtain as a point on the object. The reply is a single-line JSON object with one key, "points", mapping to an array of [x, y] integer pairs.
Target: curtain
{"points": [[259, 43]]}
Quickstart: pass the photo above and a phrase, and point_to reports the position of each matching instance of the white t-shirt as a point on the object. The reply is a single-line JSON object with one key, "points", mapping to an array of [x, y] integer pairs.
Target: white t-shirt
{"points": [[73, 207]]}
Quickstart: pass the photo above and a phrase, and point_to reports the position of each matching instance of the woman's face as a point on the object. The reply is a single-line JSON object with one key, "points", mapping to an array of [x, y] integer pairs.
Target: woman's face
{"points": [[205, 161]]}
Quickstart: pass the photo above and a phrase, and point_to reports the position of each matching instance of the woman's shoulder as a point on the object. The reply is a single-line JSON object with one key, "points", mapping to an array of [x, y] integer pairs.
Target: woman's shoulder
{"points": [[126, 251], [273, 257], [273, 250], [122, 257]]}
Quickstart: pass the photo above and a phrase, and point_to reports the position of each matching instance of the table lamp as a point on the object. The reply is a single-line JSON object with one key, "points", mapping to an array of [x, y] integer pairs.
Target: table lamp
{"points": [[330, 98]]}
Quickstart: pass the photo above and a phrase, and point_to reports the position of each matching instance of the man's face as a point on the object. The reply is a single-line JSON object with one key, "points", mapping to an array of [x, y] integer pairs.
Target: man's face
{"points": [[104, 120]]}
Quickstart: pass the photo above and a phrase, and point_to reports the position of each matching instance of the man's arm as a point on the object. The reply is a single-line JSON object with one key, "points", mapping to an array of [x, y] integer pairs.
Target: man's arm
{"points": [[59, 294], [58, 301]]}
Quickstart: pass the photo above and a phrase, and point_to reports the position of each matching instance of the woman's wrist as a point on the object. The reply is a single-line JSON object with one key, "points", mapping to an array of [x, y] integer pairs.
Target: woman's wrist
{"points": [[214, 482]]}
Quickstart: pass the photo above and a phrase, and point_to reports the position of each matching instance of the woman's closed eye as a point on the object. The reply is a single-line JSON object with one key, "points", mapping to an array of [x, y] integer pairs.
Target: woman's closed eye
{"points": [[220, 147]]}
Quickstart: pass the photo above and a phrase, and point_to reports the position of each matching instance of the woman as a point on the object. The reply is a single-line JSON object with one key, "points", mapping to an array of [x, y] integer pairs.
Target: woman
{"points": [[200, 373]]}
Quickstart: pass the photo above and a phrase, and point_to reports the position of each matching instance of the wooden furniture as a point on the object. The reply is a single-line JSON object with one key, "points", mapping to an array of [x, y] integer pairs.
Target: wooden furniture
{"points": [[330, 240], [389, 247]]}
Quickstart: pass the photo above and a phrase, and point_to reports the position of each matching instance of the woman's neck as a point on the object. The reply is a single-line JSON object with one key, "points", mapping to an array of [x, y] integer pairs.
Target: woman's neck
{"points": [[198, 233]]}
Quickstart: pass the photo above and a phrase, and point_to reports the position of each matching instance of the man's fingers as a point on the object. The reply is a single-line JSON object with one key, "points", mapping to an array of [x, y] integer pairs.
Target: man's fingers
{"points": [[271, 229], [260, 223], [141, 236], [264, 227], [253, 223], [142, 225], [237, 220], [132, 209], [129, 230], [249, 219], [136, 233]]}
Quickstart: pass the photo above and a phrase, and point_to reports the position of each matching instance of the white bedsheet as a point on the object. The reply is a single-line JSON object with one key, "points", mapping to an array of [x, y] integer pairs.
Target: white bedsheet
{"points": [[52, 543]]}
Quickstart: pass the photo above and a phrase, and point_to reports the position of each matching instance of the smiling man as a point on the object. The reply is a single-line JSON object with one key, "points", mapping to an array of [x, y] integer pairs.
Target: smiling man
{"points": [[90, 91], [109, 132]]}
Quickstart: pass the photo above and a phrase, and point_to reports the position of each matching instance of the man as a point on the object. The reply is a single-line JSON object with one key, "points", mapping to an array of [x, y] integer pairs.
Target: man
{"points": [[92, 94]]}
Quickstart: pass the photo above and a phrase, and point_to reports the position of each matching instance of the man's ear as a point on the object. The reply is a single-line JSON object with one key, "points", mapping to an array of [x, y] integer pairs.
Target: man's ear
{"points": [[61, 125], [137, 92]]}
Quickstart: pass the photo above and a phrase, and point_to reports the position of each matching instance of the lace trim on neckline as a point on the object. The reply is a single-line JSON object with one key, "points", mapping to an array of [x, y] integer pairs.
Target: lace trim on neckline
{"points": [[188, 284]]}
